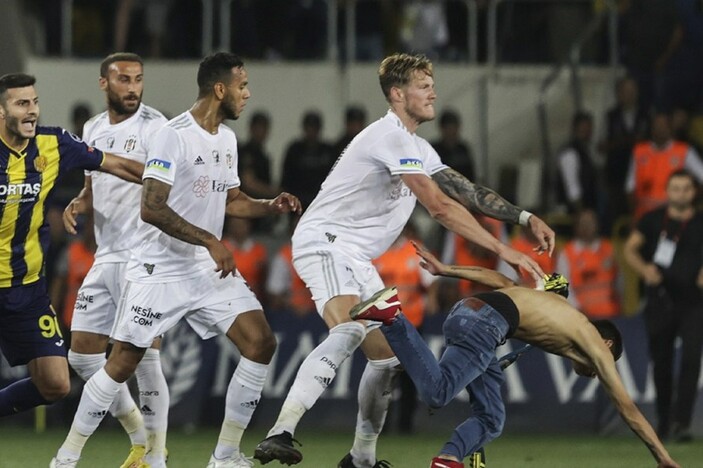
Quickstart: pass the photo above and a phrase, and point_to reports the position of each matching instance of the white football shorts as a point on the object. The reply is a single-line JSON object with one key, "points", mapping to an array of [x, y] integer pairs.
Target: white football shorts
{"points": [[97, 299], [329, 273], [209, 303]]}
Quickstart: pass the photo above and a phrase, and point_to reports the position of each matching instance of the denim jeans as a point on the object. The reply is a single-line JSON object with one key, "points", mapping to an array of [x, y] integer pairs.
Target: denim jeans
{"points": [[471, 336]]}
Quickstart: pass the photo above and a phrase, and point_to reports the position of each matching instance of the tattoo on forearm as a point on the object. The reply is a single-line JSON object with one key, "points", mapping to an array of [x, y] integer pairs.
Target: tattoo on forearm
{"points": [[476, 197], [154, 198]]}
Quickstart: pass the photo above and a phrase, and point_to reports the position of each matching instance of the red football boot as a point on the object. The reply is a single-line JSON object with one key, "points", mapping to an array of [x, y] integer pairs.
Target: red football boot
{"points": [[381, 307]]}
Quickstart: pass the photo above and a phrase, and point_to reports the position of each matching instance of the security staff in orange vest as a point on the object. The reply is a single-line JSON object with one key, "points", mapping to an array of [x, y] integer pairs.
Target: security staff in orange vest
{"points": [[654, 161], [417, 288], [72, 267], [284, 288], [522, 243], [459, 251], [249, 255], [590, 264]]}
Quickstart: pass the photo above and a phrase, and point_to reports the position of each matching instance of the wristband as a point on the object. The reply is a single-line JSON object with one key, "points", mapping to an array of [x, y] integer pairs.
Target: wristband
{"points": [[524, 218]]}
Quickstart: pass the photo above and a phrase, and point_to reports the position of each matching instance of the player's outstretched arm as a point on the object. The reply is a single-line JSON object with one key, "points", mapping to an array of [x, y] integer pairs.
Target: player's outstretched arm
{"points": [[610, 379], [82, 204], [450, 214], [487, 277], [484, 200], [155, 211], [124, 168], [241, 205]]}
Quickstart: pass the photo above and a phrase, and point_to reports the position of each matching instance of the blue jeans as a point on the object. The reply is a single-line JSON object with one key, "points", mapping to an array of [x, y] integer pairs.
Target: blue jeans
{"points": [[469, 361]]}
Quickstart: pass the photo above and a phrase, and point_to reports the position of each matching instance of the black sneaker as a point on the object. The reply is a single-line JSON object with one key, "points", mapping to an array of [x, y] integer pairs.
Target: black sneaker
{"points": [[348, 462], [278, 447]]}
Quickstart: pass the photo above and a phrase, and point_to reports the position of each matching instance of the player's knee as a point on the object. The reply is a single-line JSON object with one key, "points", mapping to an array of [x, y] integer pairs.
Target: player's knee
{"points": [[54, 388], [260, 348], [352, 332], [435, 396], [493, 422]]}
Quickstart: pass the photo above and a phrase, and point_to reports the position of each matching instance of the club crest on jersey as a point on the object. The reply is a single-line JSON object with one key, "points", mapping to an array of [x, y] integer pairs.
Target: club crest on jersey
{"points": [[131, 143], [40, 163], [229, 159], [110, 142], [410, 162], [216, 157], [159, 165]]}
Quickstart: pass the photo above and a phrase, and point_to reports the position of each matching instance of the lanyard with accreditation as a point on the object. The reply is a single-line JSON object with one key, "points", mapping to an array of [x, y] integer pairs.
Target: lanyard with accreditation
{"points": [[666, 248]]}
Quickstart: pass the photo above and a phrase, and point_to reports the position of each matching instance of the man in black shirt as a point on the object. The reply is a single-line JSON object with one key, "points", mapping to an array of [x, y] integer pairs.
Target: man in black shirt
{"points": [[666, 250], [453, 151]]}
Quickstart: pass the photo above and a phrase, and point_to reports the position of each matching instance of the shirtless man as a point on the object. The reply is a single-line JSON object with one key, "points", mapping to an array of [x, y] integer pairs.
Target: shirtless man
{"points": [[475, 327]]}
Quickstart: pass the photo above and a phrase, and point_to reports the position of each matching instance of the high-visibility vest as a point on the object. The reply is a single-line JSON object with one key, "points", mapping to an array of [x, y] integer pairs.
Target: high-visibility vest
{"points": [[400, 266], [652, 168], [545, 262], [251, 264], [299, 297], [80, 259], [469, 253], [593, 275]]}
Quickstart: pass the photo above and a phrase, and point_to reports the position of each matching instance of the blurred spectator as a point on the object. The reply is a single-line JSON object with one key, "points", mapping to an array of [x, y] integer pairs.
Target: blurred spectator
{"points": [[308, 160], [685, 71], [156, 16], [249, 255], [566, 22], [254, 161], [626, 124], [459, 251], [72, 266], [578, 181], [589, 263], [654, 161], [354, 122], [400, 266], [652, 33], [368, 26], [424, 28], [284, 287], [80, 114], [308, 20], [665, 251], [453, 151]]}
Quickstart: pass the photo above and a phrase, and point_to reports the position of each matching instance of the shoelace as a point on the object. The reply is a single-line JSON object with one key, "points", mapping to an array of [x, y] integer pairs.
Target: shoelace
{"points": [[382, 464]]}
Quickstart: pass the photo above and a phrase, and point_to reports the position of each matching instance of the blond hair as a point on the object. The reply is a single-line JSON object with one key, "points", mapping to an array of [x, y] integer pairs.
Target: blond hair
{"points": [[398, 69]]}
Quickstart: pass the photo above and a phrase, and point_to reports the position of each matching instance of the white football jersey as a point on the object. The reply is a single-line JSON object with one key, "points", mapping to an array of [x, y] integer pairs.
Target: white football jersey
{"points": [[200, 168], [116, 202], [363, 204]]}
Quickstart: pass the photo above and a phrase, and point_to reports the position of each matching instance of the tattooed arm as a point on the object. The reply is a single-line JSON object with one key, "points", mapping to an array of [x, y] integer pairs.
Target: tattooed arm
{"points": [[486, 201], [155, 211]]}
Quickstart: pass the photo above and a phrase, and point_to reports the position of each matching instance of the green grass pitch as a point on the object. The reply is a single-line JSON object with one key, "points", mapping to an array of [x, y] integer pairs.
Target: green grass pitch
{"points": [[22, 448]]}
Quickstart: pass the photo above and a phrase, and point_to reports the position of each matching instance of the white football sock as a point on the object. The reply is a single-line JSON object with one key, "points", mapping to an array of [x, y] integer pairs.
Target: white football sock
{"points": [[123, 408], [317, 372], [375, 391], [153, 401], [243, 395], [98, 394]]}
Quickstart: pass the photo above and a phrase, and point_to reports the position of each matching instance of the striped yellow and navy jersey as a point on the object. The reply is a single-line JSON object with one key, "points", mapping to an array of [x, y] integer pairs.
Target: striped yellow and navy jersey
{"points": [[27, 177]]}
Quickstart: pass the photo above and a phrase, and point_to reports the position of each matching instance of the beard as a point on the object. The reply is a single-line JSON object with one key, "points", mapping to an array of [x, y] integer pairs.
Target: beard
{"points": [[13, 126], [118, 104], [229, 110]]}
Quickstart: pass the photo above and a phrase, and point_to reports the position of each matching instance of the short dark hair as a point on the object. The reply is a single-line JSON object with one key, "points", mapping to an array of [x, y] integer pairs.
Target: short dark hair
{"points": [[118, 57], [312, 118], [397, 70], [216, 68], [449, 117], [579, 117], [608, 331], [355, 114], [15, 80], [682, 173], [260, 118]]}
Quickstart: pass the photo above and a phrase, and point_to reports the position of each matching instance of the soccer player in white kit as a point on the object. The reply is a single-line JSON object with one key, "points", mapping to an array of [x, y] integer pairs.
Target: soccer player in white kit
{"points": [[360, 210], [126, 129], [180, 268]]}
